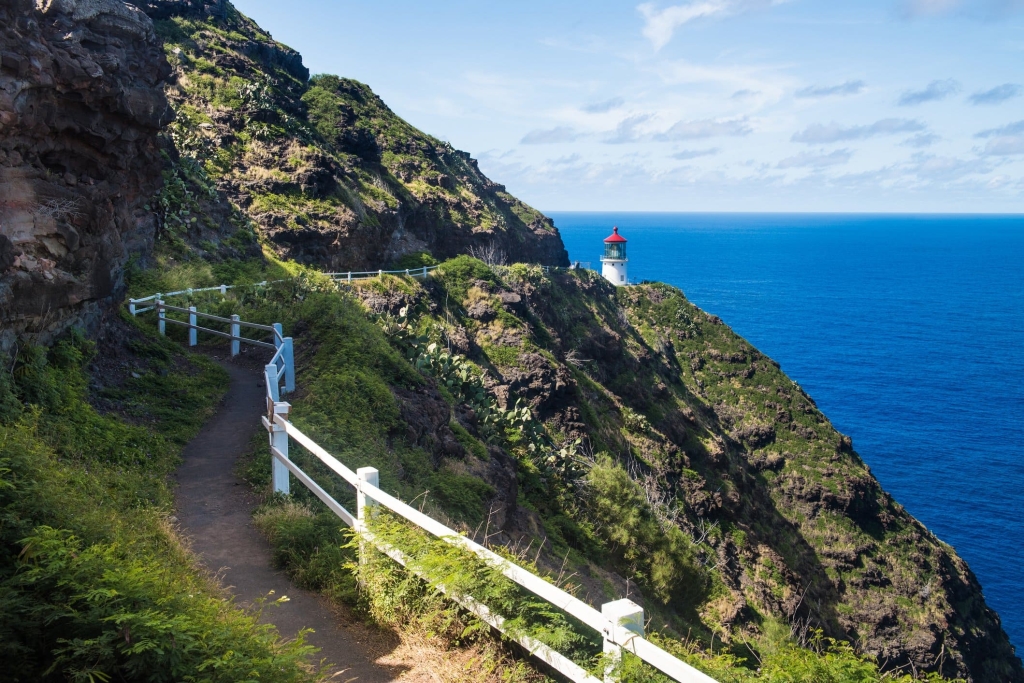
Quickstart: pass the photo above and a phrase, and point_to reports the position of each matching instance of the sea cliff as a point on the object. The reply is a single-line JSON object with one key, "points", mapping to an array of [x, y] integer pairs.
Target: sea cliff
{"points": [[166, 144]]}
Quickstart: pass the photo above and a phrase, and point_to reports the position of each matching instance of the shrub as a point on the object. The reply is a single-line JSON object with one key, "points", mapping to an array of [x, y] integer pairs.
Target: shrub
{"points": [[93, 584], [658, 556]]}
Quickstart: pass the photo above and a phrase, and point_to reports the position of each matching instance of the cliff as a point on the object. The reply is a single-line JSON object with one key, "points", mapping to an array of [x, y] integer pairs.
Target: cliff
{"points": [[327, 171], [674, 455], [81, 104], [645, 447]]}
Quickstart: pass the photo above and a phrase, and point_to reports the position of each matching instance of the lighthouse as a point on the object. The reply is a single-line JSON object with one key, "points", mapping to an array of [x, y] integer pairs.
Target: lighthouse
{"points": [[613, 262]]}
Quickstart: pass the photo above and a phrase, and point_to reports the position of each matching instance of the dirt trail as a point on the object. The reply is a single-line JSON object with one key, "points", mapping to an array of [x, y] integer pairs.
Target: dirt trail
{"points": [[215, 511]]}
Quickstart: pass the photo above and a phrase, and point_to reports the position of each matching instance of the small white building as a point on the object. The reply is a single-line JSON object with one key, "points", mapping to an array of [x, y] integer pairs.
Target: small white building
{"points": [[613, 262]]}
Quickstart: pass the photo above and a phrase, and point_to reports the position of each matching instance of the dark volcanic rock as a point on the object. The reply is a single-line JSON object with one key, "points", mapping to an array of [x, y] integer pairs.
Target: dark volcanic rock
{"points": [[81, 104]]}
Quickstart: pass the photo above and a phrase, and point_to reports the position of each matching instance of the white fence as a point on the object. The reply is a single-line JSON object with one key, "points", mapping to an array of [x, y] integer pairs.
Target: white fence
{"points": [[134, 304], [620, 623], [282, 362]]}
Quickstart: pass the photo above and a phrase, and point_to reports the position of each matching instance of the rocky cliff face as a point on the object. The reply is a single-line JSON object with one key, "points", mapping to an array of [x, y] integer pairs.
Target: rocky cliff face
{"points": [[81, 104], [325, 169], [783, 517]]}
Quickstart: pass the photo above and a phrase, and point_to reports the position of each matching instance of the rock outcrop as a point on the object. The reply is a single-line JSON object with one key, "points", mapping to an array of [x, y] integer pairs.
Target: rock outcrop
{"points": [[81, 104], [322, 166]]}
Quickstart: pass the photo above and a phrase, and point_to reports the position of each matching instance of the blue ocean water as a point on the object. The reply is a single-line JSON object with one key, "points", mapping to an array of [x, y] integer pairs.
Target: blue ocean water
{"points": [[907, 330]]}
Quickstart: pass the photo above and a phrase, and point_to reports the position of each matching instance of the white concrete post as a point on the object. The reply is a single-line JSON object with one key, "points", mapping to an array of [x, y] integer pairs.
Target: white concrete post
{"points": [[279, 337], [380, 273], [407, 272], [350, 277], [628, 615], [271, 377], [193, 333], [289, 365], [161, 314], [131, 307], [279, 440], [365, 504], [223, 290], [424, 271], [236, 332]]}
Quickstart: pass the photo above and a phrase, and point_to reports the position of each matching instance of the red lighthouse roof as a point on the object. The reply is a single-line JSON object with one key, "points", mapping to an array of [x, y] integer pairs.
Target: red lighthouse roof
{"points": [[615, 236]]}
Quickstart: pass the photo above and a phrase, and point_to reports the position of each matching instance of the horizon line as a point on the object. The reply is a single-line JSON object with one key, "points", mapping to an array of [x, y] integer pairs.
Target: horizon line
{"points": [[792, 213]]}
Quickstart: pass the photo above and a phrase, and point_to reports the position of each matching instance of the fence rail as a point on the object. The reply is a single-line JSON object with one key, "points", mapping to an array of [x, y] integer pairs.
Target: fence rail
{"points": [[619, 623]]}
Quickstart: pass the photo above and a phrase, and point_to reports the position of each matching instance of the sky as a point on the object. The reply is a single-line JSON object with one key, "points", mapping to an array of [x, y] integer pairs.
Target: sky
{"points": [[703, 105]]}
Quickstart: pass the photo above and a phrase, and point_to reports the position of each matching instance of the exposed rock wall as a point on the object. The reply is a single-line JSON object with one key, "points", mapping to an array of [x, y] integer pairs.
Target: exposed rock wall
{"points": [[81, 104]]}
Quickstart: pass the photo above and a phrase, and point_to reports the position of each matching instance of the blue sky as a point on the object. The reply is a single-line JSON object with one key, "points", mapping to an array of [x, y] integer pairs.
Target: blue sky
{"points": [[708, 105]]}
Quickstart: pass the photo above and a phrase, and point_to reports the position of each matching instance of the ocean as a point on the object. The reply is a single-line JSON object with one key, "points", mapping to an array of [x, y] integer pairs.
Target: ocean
{"points": [[908, 332]]}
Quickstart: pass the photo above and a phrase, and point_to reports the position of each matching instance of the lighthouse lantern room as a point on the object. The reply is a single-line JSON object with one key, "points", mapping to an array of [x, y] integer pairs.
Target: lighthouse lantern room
{"points": [[613, 262]]}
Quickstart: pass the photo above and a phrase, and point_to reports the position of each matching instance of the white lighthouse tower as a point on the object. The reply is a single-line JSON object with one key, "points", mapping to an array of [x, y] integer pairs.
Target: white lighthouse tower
{"points": [[613, 263]]}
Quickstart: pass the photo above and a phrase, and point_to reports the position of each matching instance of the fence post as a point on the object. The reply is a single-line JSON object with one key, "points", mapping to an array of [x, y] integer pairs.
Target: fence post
{"points": [[270, 374], [161, 314], [289, 365], [424, 271], [406, 272], [223, 290], [279, 337], [350, 277], [628, 615], [193, 333], [279, 440], [131, 307], [236, 332], [365, 504], [380, 273]]}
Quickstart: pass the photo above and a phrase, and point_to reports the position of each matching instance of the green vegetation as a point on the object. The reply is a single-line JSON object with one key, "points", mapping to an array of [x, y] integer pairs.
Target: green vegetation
{"points": [[596, 512], [623, 435], [94, 584]]}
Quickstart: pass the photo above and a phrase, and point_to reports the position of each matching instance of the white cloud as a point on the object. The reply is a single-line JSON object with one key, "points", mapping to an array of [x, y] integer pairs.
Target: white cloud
{"points": [[847, 88], [934, 91], [1005, 145], [687, 154], [705, 128], [930, 167], [603, 107], [998, 94], [661, 24], [816, 159], [1015, 128], [762, 82], [921, 140], [833, 132], [549, 136], [628, 129]]}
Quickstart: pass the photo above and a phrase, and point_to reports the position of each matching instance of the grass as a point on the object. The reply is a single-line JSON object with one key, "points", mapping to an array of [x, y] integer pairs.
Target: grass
{"points": [[94, 582]]}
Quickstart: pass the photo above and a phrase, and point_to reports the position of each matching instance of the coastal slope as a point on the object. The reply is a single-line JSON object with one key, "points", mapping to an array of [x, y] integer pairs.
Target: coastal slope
{"points": [[643, 446], [327, 171]]}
